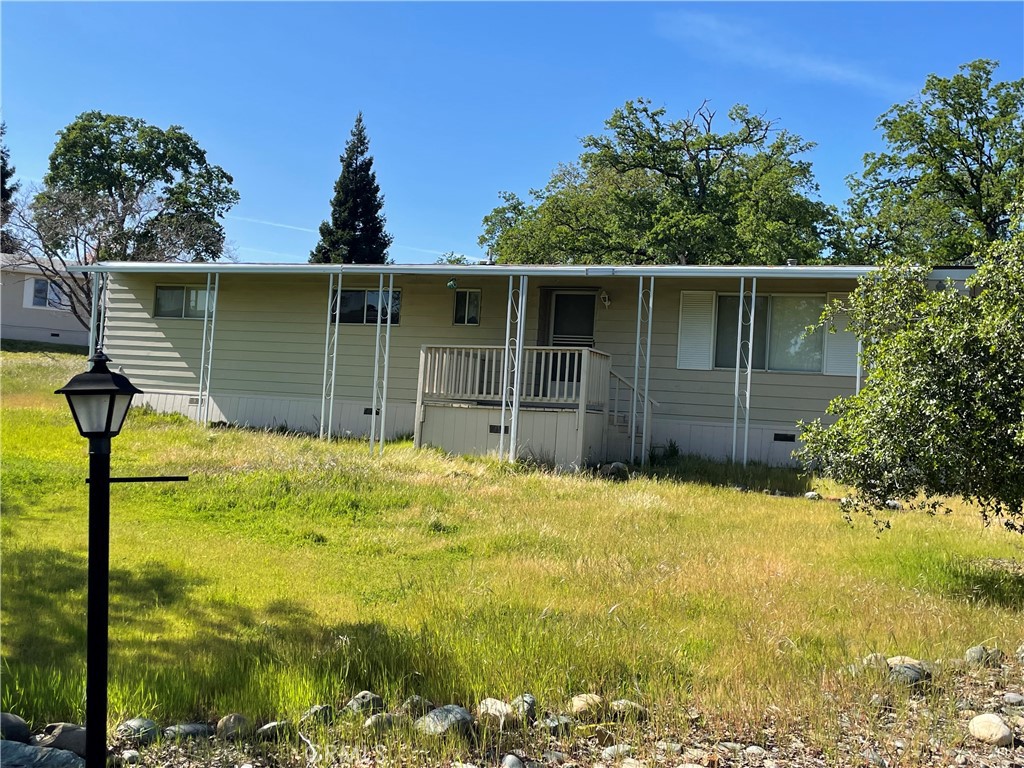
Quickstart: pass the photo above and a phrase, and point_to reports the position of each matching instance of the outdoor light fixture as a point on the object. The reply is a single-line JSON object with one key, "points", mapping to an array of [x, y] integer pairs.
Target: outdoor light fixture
{"points": [[453, 284], [99, 401], [603, 296]]}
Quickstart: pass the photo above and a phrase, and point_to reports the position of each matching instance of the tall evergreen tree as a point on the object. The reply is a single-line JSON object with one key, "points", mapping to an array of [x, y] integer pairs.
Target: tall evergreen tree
{"points": [[355, 232], [8, 189]]}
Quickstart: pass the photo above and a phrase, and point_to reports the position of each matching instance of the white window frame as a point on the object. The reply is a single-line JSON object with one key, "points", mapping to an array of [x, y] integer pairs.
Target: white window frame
{"points": [[184, 301], [56, 299], [366, 292], [767, 332], [455, 307]]}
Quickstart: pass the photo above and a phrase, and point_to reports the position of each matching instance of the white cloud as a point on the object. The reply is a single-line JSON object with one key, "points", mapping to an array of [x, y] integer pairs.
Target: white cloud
{"points": [[743, 44]]}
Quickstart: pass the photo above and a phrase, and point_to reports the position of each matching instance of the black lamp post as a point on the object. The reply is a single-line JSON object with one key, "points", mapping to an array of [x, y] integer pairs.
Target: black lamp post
{"points": [[99, 401]]}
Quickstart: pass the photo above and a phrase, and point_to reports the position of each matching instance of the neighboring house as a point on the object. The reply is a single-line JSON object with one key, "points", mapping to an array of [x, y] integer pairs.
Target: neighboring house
{"points": [[32, 308], [562, 364]]}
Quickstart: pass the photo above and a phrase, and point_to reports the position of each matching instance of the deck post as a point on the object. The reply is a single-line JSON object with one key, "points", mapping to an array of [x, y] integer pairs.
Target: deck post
{"points": [[417, 433], [581, 411]]}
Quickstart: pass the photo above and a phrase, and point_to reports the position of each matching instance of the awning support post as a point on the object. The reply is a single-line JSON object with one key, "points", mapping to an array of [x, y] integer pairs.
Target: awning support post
{"points": [[330, 355], [206, 361], [380, 383]]}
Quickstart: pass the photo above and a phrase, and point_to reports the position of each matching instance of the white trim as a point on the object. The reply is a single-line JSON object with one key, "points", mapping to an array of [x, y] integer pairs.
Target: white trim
{"points": [[499, 270]]}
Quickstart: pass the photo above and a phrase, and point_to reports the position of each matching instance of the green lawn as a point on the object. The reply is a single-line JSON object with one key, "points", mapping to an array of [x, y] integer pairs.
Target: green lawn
{"points": [[291, 571]]}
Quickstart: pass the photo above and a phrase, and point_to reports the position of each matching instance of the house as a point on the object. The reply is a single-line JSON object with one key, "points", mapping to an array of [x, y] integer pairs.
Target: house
{"points": [[33, 308], [570, 365]]}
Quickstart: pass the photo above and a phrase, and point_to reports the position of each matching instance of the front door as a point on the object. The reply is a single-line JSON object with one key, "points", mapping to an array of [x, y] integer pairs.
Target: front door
{"points": [[572, 319], [572, 325]]}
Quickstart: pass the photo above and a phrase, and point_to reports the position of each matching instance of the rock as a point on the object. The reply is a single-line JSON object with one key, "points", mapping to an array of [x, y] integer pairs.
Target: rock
{"points": [[318, 714], [185, 731], [624, 709], [526, 707], [1013, 699], [669, 747], [991, 729], [13, 728], [871, 757], [495, 714], [893, 504], [587, 707], [556, 725], [63, 736], [553, 757], [131, 756], [914, 676], [812, 495], [753, 751], [880, 704], [1020, 653], [416, 706], [512, 761], [450, 718], [892, 661], [383, 722], [17, 754], [276, 730], [875, 661], [629, 762], [138, 730], [604, 737], [985, 657], [233, 727], [730, 746], [365, 703], [615, 471], [616, 751]]}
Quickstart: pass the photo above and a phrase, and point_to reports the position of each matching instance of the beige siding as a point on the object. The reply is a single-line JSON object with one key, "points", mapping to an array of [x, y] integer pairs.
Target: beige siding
{"points": [[269, 347]]}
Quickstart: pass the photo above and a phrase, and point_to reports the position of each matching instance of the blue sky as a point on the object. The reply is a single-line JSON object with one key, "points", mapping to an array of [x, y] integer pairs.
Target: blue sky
{"points": [[463, 100]]}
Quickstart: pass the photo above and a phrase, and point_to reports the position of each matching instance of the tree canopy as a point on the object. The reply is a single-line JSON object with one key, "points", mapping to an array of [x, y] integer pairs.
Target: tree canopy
{"points": [[954, 163], [8, 189], [120, 189], [658, 191], [355, 232], [941, 412]]}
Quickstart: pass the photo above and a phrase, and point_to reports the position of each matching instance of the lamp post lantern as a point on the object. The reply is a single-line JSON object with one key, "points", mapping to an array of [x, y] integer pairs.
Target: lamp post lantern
{"points": [[99, 401]]}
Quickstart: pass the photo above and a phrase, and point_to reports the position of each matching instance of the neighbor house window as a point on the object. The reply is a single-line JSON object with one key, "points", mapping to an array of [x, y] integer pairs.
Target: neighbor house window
{"points": [[180, 301], [467, 306], [47, 295], [780, 339], [364, 307]]}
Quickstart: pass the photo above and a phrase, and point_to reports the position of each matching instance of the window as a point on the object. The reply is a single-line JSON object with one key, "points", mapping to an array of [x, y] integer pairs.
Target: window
{"points": [[708, 325], [364, 307], [180, 301], [467, 306], [780, 341], [47, 295]]}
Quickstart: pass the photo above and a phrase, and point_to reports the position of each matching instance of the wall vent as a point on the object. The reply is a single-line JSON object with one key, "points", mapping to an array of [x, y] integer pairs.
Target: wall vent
{"points": [[784, 437], [497, 429], [193, 401], [369, 412]]}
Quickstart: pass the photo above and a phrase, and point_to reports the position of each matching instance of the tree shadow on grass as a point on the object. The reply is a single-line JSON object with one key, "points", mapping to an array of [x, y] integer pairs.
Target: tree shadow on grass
{"points": [[998, 582], [193, 653]]}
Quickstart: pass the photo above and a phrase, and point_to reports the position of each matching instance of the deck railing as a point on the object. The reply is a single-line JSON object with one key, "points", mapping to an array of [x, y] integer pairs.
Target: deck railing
{"points": [[548, 375]]}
